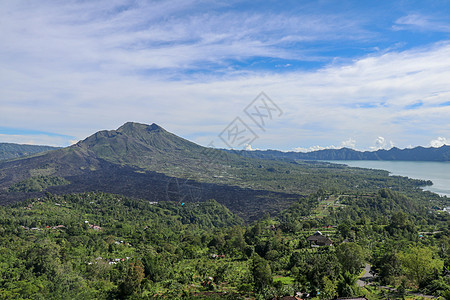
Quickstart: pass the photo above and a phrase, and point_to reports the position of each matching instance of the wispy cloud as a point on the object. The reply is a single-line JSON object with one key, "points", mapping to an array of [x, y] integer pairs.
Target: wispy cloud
{"points": [[192, 66], [319, 100], [39, 139], [149, 36], [422, 23]]}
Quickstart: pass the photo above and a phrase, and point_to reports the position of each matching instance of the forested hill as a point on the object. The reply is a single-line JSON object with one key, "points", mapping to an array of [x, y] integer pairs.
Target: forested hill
{"points": [[104, 246], [414, 154], [10, 150]]}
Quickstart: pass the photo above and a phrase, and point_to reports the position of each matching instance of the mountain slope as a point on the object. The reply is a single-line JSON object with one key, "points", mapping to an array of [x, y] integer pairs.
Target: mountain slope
{"points": [[144, 146], [141, 161], [415, 154], [147, 162], [9, 150]]}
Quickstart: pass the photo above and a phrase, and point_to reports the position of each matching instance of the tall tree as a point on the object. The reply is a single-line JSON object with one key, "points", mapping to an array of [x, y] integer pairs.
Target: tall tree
{"points": [[419, 263], [351, 256], [262, 274]]}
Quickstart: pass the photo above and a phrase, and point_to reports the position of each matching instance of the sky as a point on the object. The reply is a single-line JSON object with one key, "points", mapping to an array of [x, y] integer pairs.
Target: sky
{"points": [[287, 75]]}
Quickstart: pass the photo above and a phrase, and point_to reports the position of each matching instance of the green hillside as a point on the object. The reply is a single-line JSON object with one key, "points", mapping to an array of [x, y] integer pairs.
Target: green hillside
{"points": [[10, 151]]}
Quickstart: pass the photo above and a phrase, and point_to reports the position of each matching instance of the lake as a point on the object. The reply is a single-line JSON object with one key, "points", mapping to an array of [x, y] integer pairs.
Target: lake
{"points": [[437, 172]]}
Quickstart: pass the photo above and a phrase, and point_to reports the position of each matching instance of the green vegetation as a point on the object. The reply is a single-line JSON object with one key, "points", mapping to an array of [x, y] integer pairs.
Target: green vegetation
{"points": [[37, 184], [103, 246], [275, 228], [147, 162], [11, 151]]}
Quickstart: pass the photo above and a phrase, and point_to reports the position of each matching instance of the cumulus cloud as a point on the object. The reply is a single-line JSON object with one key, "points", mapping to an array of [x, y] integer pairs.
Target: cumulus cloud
{"points": [[314, 148], [439, 142], [382, 143], [349, 143], [248, 147]]}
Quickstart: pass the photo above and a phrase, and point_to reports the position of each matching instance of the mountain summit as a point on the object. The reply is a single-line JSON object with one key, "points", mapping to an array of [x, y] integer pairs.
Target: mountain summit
{"points": [[142, 161], [149, 147]]}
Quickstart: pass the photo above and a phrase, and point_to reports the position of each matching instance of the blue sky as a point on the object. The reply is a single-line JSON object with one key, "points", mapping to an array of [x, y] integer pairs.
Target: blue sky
{"points": [[360, 74]]}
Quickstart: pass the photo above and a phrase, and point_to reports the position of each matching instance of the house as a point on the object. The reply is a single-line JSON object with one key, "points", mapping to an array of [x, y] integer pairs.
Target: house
{"points": [[95, 227], [318, 240]]}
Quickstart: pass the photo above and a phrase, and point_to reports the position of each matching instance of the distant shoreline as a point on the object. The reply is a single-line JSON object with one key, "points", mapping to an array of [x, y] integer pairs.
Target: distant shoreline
{"points": [[435, 171]]}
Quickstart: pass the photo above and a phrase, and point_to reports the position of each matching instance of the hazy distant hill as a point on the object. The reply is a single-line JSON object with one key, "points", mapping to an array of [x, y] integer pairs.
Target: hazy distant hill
{"points": [[415, 154], [147, 162], [10, 150]]}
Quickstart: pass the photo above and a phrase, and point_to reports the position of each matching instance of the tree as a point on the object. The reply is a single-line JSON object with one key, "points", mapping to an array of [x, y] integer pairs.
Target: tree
{"points": [[235, 242], [347, 285], [419, 264], [156, 266], [329, 289], [43, 258], [314, 267], [399, 220], [262, 274], [132, 280], [345, 229], [351, 256], [387, 267]]}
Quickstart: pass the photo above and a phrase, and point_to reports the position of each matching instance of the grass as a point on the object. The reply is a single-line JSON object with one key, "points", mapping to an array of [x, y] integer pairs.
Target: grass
{"points": [[322, 210], [287, 280]]}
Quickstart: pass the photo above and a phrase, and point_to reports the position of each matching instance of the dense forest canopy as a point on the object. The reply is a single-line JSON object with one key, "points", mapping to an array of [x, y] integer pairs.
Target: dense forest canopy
{"points": [[104, 246]]}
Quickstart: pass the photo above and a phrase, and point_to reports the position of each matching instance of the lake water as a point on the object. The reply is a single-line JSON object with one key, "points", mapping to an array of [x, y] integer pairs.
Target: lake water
{"points": [[437, 172]]}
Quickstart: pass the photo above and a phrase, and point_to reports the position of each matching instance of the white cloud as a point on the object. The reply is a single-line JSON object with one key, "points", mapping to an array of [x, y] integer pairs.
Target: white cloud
{"points": [[314, 148], [350, 143], [421, 22], [39, 139], [322, 106], [79, 67], [149, 35], [382, 143], [248, 147], [439, 142]]}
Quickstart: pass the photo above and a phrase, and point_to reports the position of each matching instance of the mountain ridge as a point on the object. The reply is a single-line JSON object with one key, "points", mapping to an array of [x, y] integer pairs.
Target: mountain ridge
{"points": [[12, 150], [408, 154]]}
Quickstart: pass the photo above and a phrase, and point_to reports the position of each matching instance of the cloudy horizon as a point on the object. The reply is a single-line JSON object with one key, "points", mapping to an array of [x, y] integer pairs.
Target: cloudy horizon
{"points": [[345, 74]]}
